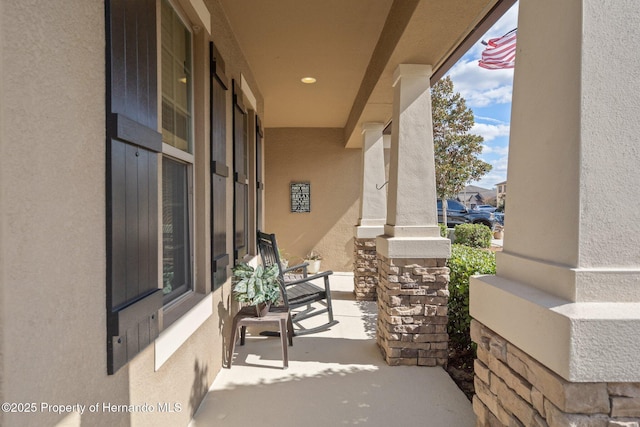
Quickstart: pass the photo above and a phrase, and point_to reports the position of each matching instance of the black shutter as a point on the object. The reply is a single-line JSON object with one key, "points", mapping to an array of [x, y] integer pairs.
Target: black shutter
{"points": [[219, 170], [240, 193], [133, 295], [259, 177]]}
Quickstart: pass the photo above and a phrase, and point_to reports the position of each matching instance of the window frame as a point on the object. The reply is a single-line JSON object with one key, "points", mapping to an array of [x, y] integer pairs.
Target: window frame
{"points": [[190, 90], [179, 320], [181, 156], [178, 293]]}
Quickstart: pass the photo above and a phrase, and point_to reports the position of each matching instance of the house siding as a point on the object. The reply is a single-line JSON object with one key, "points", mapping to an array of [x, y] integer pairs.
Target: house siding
{"points": [[317, 156], [53, 227]]}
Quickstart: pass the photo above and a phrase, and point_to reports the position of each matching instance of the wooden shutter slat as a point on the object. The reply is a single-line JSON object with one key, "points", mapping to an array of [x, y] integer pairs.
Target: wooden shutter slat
{"points": [[221, 262], [151, 238], [218, 66], [219, 169], [142, 57], [145, 209], [240, 177], [117, 226], [129, 316], [259, 184], [132, 221], [240, 194], [115, 60], [131, 60], [133, 294], [126, 129]]}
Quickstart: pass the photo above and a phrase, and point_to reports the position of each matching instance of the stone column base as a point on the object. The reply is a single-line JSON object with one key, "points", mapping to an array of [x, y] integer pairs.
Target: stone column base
{"points": [[513, 389], [412, 311], [365, 275]]}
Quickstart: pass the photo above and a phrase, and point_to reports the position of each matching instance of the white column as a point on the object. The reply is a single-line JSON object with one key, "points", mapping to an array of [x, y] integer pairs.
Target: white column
{"points": [[411, 230], [373, 198], [567, 289]]}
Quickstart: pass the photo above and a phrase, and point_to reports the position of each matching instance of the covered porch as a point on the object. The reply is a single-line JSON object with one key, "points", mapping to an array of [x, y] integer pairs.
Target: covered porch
{"points": [[336, 377], [133, 178]]}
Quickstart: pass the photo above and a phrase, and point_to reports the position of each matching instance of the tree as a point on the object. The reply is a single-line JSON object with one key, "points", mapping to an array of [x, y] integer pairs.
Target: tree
{"points": [[456, 150]]}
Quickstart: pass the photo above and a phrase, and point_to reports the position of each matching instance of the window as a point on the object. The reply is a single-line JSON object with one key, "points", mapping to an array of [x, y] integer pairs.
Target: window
{"points": [[176, 241], [177, 162], [176, 80]]}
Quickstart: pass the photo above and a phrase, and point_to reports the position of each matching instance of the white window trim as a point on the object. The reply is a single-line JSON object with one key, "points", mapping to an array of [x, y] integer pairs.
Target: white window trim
{"points": [[249, 97], [172, 338], [177, 153]]}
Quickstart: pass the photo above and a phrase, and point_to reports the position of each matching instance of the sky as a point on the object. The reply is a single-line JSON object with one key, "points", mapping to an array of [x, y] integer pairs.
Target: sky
{"points": [[488, 94]]}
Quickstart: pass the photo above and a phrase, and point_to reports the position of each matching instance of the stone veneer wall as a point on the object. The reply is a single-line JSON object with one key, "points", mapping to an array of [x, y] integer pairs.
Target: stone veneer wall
{"points": [[365, 276], [512, 389], [412, 311]]}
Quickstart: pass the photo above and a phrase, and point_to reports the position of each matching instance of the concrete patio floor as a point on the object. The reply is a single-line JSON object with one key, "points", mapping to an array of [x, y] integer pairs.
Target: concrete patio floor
{"points": [[335, 377]]}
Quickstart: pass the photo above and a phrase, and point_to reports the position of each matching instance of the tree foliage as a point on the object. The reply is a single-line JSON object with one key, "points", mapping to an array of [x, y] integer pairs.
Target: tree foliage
{"points": [[456, 150]]}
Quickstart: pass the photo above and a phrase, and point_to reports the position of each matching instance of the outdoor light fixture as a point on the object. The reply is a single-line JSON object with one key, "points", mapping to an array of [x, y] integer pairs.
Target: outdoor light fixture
{"points": [[308, 80]]}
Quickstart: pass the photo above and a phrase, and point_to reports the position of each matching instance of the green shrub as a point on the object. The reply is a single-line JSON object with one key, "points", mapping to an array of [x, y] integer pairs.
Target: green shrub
{"points": [[443, 230], [464, 263], [474, 235]]}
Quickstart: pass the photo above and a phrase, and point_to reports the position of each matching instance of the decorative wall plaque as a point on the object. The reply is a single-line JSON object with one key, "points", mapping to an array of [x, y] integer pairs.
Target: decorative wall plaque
{"points": [[300, 197]]}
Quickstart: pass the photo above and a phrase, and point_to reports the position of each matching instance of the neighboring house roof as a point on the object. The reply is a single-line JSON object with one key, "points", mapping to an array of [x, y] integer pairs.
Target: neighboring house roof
{"points": [[474, 189], [489, 194]]}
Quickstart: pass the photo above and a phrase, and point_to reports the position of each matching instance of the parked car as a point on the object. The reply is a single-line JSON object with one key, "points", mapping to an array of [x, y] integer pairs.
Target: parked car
{"points": [[487, 208], [457, 213]]}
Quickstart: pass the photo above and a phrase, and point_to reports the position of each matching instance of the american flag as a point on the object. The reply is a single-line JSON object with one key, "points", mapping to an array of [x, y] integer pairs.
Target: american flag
{"points": [[500, 52]]}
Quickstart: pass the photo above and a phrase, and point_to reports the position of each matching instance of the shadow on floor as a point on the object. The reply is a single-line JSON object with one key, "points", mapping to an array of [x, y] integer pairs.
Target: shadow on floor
{"points": [[336, 377]]}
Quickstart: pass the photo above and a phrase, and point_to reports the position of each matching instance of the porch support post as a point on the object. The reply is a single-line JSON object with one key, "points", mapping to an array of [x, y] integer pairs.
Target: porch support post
{"points": [[413, 280], [373, 210], [558, 326]]}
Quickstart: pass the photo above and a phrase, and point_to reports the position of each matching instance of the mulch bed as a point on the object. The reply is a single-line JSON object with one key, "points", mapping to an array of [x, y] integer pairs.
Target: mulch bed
{"points": [[460, 367]]}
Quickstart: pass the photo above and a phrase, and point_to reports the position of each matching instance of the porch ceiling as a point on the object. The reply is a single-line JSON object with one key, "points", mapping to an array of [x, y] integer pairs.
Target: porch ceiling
{"points": [[351, 47]]}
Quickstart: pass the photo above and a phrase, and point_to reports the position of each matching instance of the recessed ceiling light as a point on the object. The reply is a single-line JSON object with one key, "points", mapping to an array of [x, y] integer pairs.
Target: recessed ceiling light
{"points": [[308, 80]]}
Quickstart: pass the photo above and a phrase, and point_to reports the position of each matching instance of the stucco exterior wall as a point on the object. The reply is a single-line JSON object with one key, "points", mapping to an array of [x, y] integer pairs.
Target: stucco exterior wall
{"points": [[567, 280], [52, 179], [576, 136], [318, 156], [52, 228]]}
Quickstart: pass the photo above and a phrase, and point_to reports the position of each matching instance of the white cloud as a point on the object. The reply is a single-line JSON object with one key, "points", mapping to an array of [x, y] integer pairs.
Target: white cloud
{"points": [[498, 173], [500, 164], [501, 151], [479, 86], [490, 119], [490, 132]]}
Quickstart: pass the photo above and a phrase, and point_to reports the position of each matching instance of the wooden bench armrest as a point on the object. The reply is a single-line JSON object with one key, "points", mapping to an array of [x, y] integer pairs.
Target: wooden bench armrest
{"points": [[295, 267], [324, 274]]}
